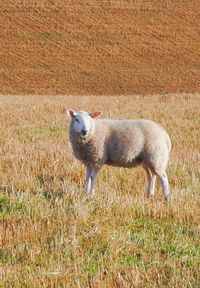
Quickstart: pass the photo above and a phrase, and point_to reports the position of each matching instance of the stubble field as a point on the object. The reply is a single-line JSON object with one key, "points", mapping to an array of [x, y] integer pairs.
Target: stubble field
{"points": [[99, 47], [52, 236]]}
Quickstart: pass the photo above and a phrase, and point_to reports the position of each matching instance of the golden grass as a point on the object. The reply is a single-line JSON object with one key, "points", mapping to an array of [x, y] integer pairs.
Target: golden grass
{"points": [[52, 236]]}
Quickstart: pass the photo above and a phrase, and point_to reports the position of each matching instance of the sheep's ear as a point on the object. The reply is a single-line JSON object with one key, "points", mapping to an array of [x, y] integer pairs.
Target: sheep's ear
{"points": [[71, 113], [95, 114]]}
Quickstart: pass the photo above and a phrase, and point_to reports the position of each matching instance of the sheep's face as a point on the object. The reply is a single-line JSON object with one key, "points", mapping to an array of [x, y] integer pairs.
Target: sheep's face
{"points": [[82, 124], [82, 121]]}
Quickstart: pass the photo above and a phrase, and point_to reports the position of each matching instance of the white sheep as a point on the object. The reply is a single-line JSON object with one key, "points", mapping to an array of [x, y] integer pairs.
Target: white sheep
{"points": [[122, 143]]}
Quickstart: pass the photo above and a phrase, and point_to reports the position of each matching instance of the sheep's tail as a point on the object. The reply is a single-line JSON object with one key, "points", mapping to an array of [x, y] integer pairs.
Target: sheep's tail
{"points": [[169, 144]]}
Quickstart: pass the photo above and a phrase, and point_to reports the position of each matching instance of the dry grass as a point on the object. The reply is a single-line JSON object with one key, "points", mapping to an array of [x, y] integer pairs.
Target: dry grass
{"points": [[52, 236], [99, 47]]}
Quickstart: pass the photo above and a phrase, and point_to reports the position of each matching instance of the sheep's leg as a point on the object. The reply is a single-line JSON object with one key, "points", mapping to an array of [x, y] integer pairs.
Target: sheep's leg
{"points": [[93, 177], [165, 184], [88, 179], [151, 182]]}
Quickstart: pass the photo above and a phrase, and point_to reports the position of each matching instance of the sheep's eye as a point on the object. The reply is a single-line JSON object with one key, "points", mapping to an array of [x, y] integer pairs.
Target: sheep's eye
{"points": [[77, 120]]}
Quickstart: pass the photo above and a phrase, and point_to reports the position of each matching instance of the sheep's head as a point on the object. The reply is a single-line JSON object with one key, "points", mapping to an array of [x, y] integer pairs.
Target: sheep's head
{"points": [[82, 121]]}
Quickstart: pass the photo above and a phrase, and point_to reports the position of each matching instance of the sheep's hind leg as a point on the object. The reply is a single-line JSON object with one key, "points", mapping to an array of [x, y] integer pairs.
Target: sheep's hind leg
{"points": [[151, 182], [165, 184]]}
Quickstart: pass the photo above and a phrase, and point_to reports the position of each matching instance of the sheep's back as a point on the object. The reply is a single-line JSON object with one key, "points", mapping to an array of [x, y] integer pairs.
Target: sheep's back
{"points": [[131, 141]]}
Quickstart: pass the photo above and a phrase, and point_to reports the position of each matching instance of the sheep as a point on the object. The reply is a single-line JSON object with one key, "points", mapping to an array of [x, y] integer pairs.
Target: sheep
{"points": [[122, 143]]}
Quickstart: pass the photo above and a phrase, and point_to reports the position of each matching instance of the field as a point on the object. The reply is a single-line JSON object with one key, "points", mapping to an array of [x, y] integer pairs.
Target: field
{"points": [[144, 55], [93, 47], [52, 236]]}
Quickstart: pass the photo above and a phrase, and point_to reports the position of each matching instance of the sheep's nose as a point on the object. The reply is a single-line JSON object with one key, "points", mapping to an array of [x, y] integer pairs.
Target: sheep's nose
{"points": [[84, 132]]}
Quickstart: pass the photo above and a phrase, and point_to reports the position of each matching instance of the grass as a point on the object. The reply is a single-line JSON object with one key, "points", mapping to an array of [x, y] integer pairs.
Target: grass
{"points": [[52, 236]]}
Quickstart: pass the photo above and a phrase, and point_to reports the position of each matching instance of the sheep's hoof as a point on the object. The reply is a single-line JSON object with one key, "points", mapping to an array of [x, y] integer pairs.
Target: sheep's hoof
{"points": [[167, 198], [149, 195], [89, 195]]}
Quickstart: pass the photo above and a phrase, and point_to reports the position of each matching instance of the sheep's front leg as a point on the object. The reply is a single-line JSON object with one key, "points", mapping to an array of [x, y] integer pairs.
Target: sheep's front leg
{"points": [[93, 177], [90, 179]]}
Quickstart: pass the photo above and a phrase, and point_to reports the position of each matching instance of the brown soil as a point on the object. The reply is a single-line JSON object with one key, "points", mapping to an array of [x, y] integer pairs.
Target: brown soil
{"points": [[99, 47]]}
